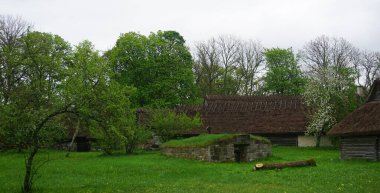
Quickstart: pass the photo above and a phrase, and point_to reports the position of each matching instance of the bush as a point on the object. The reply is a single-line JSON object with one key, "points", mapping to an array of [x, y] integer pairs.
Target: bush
{"points": [[167, 124]]}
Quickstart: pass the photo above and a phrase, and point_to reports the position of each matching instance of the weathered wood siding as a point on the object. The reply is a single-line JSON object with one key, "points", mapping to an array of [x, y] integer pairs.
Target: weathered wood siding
{"points": [[366, 148], [378, 148]]}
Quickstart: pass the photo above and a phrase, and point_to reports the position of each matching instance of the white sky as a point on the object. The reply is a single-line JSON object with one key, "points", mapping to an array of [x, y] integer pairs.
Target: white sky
{"points": [[275, 23]]}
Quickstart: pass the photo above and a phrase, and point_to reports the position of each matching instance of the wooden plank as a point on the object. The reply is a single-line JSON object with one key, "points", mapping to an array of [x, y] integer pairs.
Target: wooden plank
{"points": [[359, 148]]}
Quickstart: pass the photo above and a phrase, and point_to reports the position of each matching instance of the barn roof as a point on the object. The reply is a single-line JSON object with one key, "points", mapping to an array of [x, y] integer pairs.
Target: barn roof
{"points": [[253, 114], [363, 121]]}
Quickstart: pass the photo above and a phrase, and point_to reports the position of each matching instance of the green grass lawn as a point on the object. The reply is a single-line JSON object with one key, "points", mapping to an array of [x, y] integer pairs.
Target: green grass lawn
{"points": [[152, 172]]}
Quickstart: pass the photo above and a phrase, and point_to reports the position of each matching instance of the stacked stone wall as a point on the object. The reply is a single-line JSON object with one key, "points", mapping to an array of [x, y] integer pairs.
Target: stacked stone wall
{"points": [[223, 151], [198, 153]]}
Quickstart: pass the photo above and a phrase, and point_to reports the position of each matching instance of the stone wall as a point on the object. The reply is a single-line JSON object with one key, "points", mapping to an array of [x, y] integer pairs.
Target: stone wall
{"points": [[240, 149], [198, 153], [258, 150]]}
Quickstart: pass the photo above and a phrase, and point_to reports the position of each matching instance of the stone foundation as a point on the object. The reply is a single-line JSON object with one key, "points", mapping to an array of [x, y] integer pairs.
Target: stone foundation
{"points": [[243, 150]]}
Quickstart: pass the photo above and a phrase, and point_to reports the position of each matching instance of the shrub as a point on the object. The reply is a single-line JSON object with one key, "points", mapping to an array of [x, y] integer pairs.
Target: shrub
{"points": [[167, 124]]}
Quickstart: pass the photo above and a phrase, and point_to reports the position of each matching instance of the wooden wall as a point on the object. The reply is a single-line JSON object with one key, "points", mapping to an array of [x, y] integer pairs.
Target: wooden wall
{"points": [[364, 147], [283, 140]]}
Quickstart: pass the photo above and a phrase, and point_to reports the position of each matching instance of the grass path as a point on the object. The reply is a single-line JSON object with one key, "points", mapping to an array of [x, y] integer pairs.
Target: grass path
{"points": [[152, 172]]}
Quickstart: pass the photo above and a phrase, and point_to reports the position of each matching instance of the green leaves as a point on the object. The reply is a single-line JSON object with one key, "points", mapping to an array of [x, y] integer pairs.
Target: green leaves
{"points": [[284, 76], [37, 94], [166, 124], [100, 101], [159, 66]]}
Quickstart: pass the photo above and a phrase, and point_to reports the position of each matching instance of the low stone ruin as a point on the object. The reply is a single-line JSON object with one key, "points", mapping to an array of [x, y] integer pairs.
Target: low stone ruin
{"points": [[240, 148]]}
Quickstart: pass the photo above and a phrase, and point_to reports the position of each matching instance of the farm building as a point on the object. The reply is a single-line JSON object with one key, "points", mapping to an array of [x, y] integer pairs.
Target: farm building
{"points": [[219, 148], [282, 119], [82, 137], [360, 131]]}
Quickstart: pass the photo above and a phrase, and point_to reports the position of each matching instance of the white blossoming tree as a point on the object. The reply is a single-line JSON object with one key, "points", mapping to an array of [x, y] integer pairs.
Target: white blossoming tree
{"points": [[330, 98]]}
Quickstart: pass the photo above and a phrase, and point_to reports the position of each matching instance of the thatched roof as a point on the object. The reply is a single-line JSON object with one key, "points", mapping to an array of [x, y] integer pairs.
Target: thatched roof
{"points": [[363, 121], [253, 114]]}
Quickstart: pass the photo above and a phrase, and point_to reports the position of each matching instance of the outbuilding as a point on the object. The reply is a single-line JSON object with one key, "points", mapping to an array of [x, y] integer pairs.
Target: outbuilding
{"points": [[359, 132], [219, 148], [281, 119]]}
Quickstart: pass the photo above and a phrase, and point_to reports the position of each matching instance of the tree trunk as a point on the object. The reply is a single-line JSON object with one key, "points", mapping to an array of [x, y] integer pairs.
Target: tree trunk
{"points": [[70, 148], [303, 163], [28, 179], [318, 141], [29, 172], [129, 147]]}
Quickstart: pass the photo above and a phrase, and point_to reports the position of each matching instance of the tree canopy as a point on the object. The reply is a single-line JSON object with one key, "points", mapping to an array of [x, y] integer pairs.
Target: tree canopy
{"points": [[283, 76], [159, 66]]}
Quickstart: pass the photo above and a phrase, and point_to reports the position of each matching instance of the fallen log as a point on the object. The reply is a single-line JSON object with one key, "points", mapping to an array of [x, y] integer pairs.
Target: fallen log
{"points": [[260, 166]]}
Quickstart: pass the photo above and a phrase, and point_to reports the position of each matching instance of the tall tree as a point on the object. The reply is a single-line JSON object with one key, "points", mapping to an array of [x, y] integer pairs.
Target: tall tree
{"points": [[207, 67], [36, 102], [250, 62], [227, 66], [102, 103], [228, 48], [159, 66], [11, 73], [55, 81], [283, 75], [330, 90], [368, 68]]}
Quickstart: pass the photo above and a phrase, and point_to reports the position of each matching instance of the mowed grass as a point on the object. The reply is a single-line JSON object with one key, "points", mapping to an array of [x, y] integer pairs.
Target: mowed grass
{"points": [[153, 172]]}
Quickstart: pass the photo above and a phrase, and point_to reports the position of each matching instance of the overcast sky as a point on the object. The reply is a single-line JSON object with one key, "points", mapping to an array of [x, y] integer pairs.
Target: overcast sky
{"points": [[275, 23]]}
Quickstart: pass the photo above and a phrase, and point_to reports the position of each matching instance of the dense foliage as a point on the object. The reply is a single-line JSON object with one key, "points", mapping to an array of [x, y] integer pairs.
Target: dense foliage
{"points": [[43, 80], [167, 124], [159, 66], [283, 76]]}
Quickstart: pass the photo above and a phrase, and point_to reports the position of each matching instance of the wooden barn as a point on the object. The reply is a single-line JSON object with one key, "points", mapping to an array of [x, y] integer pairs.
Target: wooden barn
{"points": [[359, 132], [282, 119]]}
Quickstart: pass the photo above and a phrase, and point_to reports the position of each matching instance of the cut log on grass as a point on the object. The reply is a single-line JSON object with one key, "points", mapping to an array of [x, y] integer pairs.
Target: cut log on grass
{"points": [[260, 166]]}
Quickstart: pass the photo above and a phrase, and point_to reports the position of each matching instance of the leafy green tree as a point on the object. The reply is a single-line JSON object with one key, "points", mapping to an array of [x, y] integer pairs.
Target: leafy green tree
{"points": [[102, 102], [55, 82], [35, 102], [134, 134], [159, 66], [284, 76], [167, 124]]}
